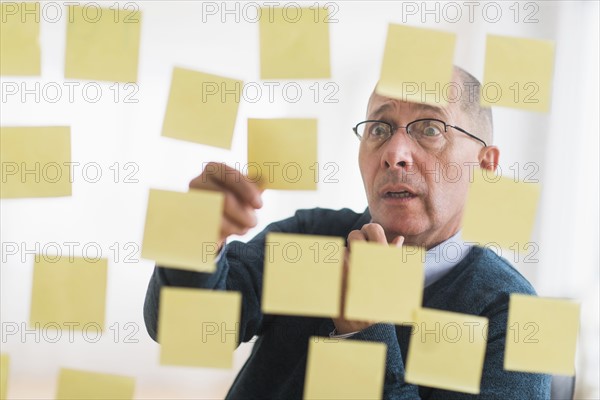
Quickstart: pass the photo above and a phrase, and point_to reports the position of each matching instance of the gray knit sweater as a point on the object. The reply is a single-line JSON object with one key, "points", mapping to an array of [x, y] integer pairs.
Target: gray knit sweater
{"points": [[480, 285]]}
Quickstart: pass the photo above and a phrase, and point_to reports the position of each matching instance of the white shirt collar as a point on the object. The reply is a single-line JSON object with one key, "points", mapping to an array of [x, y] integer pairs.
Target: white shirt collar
{"points": [[439, 260]]}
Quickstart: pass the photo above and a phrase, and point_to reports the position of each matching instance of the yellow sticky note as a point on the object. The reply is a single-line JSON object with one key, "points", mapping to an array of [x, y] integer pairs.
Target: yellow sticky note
{"points": [[282, 153], [4, 361], [446, 350], [302, 275], [344, 369], [385, 283], [84, 385], [202, 108], [19, 39], [542, 335], [294, 43], [182, 229], [103, 43], [198, 328], [35, 161], [499, 210], [417, 64], [518, 73], [68, 290]]}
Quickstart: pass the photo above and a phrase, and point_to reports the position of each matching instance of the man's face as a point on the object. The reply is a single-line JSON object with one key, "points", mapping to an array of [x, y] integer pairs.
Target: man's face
{"points": [[434, 171]]}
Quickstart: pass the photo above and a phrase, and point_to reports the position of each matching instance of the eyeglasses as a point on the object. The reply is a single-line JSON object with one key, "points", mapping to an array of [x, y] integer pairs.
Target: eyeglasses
{"points": [[427, 132]]}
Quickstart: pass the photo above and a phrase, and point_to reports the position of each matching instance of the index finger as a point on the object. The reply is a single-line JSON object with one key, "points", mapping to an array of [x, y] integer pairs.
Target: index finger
{"points": [[243, 188], [356, 235], [239, 184]]}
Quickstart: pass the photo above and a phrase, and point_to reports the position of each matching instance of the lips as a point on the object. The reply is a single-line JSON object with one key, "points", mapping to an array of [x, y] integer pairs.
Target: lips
{"points": [[399, 195], [397, 192]]}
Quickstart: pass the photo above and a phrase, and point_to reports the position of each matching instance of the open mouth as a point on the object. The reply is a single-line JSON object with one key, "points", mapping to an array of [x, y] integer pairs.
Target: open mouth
{"points": [[399, 195]]}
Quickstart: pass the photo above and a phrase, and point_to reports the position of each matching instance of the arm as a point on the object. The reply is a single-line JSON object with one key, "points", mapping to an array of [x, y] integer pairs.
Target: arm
{"points": [[180, 278], [496, 383], [242, 197], [394, 386]]}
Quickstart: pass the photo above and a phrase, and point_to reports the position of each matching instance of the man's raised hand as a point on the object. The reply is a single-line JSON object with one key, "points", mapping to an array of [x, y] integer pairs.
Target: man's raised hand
{"points": [[371, 232], [242, 197]]}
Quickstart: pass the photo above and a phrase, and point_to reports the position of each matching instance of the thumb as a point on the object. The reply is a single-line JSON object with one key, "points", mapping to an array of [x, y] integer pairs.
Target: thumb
{"points": [[398, 241]]}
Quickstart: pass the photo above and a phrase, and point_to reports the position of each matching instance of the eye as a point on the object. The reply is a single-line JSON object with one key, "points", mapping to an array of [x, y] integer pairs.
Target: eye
{"points": [[427, 129], [379, 130], [431, 131]]}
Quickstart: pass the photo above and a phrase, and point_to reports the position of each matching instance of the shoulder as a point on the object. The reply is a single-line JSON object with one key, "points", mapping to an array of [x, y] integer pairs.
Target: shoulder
{"points": [[315, 221], [480, 284], [492, 271], [322, 221]]}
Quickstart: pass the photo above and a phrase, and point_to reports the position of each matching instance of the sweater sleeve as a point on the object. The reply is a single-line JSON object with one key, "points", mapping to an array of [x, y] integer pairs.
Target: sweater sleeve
{"points": [[240, 268]]}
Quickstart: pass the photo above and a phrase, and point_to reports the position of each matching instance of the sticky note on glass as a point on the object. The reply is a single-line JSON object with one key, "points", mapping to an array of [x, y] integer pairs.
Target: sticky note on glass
{"points": [[541, 335], [103, 43], [499, 210], [84, 385], [518, 73], [4, 361], [19, 39], [294, 43], [417, 64], [282, 153], [198, 328], [202, 108], [385, 283], [446, 350], [344, 369], [302, 275], [68, 290], [182, 229], [35, 161]]}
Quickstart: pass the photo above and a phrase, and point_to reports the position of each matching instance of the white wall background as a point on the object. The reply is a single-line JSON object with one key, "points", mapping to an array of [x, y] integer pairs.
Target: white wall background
{"points": [[564, 144]]}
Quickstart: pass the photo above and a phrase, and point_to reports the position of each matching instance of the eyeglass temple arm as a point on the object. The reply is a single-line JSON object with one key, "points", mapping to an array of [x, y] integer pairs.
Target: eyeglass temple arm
{"points": [[467, 133]]}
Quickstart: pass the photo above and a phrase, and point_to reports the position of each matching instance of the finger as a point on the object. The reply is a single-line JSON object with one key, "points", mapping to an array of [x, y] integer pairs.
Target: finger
{"points": [[356, 235], [242, 186], [241, 214], [374, 233], [219, 176], [229, 227], [344, 284], [398, 241]]}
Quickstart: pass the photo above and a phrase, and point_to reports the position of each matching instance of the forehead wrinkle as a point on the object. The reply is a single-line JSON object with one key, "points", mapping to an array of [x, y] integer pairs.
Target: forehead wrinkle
{"points": [[391, 104]]}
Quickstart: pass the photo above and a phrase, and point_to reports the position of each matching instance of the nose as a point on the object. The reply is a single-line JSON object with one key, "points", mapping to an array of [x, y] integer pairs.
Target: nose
{"points": [[397, 152]]}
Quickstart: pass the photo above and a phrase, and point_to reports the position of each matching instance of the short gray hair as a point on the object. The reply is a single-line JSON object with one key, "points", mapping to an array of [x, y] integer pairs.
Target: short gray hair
{"points": [[469, 103]]}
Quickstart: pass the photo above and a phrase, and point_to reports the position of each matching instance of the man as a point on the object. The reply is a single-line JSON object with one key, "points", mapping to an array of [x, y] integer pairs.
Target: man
{"points": [[402, 146]]}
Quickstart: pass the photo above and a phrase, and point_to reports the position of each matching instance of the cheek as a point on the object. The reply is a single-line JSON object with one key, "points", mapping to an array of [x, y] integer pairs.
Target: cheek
{"points": [[367, 167], [445, 185]]}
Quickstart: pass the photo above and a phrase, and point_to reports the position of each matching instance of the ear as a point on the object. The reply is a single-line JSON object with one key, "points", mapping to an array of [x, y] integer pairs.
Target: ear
{"points": [[489, 157]]}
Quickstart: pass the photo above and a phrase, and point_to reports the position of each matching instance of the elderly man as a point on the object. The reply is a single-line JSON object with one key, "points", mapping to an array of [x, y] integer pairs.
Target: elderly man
{"points": [[402, 145]]}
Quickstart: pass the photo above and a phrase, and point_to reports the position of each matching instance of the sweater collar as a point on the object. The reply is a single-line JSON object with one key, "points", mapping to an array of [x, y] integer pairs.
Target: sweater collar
{"points": [[439, 260]]}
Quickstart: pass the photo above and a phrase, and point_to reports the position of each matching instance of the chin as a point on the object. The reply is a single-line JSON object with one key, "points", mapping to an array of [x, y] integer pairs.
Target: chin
{"points": [[398, 226]]}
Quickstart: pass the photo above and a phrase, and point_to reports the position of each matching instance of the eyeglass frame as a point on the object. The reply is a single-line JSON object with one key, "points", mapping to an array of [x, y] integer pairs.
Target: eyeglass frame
{"points": [[394, 129]]}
